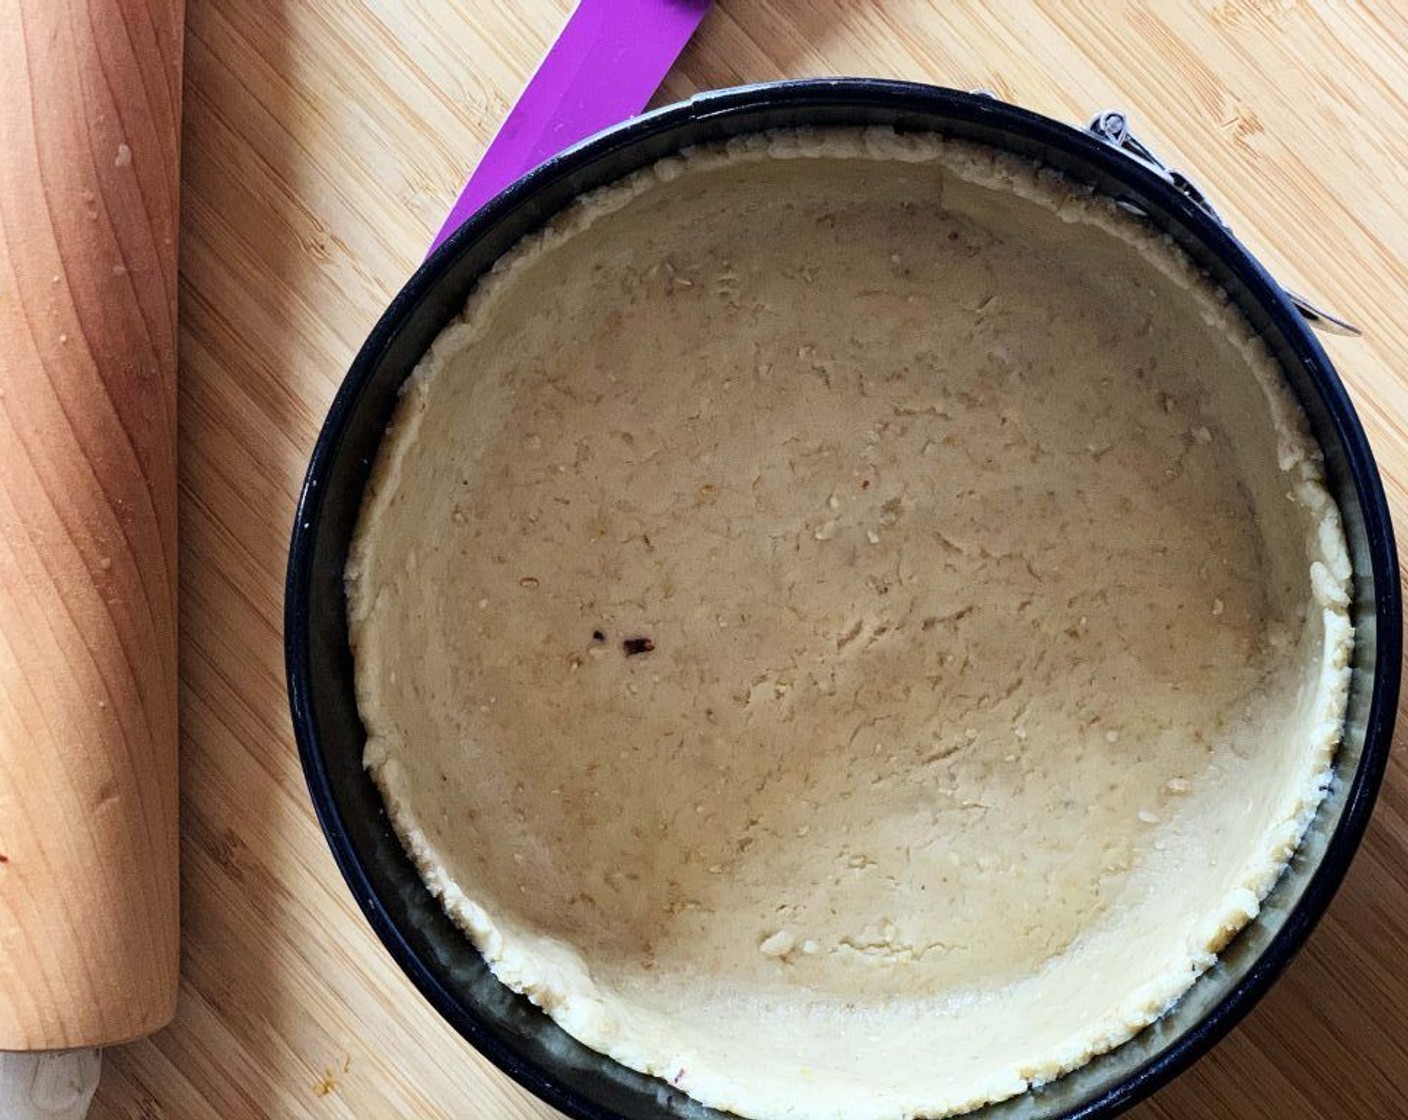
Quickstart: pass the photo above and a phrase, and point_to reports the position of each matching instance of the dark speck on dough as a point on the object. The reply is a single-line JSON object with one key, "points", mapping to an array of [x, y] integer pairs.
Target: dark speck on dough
{"points": [[633, 646], [598, 636]]}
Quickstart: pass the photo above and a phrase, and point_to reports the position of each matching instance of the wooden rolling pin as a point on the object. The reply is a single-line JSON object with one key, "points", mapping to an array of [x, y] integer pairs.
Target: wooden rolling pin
{"points": [[90, 94]]}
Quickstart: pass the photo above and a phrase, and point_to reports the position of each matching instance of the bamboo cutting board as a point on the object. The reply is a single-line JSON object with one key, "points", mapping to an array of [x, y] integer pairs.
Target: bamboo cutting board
{"points": [[324, 143]]}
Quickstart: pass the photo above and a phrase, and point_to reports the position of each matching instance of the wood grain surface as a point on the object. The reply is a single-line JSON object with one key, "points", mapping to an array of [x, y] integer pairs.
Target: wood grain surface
{"points": [[90, 107], [323, 143]]}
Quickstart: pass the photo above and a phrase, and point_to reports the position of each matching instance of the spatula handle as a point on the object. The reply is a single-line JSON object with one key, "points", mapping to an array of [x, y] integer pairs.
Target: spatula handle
{"points": [[605, 66]]}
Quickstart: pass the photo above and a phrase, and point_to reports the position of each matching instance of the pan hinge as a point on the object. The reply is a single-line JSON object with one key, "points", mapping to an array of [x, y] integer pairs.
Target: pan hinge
{"points": [[1112, 126]]}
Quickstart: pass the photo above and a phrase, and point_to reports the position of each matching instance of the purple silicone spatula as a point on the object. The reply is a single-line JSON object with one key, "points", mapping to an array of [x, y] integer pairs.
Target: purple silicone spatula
{"points": [[605, 66]]}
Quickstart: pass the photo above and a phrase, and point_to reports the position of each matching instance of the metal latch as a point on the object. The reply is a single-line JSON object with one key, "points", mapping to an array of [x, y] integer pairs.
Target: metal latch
{"points": [[1112, 126]]}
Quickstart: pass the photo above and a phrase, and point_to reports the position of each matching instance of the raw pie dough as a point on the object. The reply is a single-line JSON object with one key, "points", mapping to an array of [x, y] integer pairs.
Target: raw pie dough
{"points": [[998, 612]]}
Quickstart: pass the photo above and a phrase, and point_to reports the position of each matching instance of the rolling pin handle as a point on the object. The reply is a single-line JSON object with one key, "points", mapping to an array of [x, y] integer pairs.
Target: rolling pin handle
{"points": [[48, 1084]]}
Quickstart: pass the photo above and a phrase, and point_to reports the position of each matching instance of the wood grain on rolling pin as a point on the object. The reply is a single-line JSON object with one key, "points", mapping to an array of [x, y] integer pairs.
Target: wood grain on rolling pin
{"points": [[89, 130]]}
